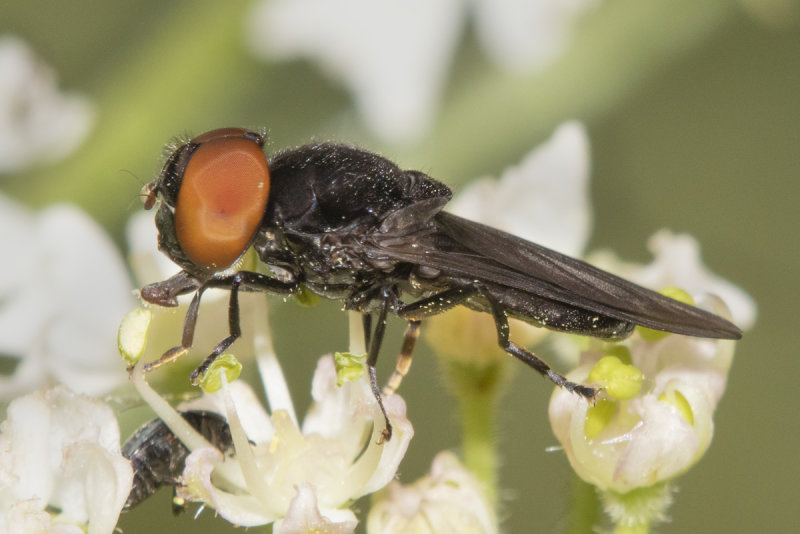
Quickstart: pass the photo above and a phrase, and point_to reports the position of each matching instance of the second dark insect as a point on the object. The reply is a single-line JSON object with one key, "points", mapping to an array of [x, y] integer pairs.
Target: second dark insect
{"points": [[158, 457]]}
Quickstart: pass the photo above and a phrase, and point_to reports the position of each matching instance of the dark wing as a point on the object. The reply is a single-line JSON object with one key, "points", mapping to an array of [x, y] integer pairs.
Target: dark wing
{"points": [[471, 250]]}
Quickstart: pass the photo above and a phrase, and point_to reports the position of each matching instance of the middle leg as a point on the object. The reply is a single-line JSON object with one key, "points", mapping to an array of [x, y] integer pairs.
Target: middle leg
{"points": [[449, 298]]}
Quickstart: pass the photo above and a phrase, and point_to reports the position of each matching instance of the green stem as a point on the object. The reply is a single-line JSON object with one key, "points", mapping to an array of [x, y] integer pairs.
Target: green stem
{"points": [[478, 443], [477, 390], [643, 528], [586, 509]]}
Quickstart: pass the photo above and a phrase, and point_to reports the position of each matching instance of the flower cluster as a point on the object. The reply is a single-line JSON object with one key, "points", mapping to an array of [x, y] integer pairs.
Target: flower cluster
{"points": [[60, 465], [57, 324], [60, 451], [656, 417], [299, 477]]}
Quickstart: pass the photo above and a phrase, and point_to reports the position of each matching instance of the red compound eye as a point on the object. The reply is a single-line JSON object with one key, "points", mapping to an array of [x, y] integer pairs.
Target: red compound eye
{"points": [[223, 194]]}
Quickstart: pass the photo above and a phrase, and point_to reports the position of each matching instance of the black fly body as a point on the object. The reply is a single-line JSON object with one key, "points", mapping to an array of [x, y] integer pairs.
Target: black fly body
{"points": [[350, 225]]}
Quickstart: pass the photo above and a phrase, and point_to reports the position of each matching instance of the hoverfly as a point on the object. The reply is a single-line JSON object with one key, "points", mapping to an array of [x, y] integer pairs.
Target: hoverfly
{"points": [[350, 225], [158, 457]]}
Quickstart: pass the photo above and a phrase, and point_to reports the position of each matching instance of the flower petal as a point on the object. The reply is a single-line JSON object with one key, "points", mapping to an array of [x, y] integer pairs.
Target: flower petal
{"points": [[243, 510], [448, 500], [551, 183], [85, 314], [662, 446], [338, 412], [255, 420], [392, 452], [61, 300], [64, 449], [37, 122], [345, 414], [391, 55], [656, 435], [526, 35], [677, 263], [305, 516]]}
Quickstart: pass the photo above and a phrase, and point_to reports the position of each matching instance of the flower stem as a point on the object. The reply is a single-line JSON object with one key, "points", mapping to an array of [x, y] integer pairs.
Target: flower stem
{"points": [[276, 390], [632, 529], [586, 509], [477, 388], [357, 345]]}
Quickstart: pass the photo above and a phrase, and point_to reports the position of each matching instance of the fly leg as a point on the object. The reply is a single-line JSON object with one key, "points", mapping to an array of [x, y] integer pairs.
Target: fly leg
{"points": [[404, 358], [366, 321], [372, 357], [189, 323], [530, 359], [241, 280], [414, 313], [165, 292], [451, 297]]}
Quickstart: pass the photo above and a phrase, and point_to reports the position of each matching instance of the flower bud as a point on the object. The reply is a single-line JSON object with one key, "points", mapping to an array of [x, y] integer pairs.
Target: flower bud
{"points": [[449, 499]]}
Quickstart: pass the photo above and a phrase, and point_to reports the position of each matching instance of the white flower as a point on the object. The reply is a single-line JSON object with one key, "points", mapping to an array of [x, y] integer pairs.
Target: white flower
{"points": [[302, 478], [654, 430], [653, 434], [60, 450], [526, 35], [37, 123], [393, 56], [60, 300], [448, 500], [677, 263]]}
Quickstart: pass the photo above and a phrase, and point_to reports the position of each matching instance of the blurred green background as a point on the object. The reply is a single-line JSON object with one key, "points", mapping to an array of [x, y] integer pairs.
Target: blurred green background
{"points": [[693, 110]]}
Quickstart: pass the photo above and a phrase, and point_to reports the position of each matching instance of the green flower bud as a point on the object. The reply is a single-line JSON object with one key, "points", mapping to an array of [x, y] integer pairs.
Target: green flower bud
{"points": [[132, 334], [211, 381]]}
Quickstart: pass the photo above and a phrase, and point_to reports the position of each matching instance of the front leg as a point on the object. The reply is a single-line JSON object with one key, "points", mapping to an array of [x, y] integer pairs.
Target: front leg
{"points": [[246, 280], [385, 299], [165, 293]]}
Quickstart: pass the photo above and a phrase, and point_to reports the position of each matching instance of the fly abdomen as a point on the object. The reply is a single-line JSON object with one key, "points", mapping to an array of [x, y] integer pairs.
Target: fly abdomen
{"points": [[554, 315]]}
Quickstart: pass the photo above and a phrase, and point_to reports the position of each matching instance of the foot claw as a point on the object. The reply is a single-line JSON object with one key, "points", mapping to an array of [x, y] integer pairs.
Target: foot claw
{"points": [[386, 435]]}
